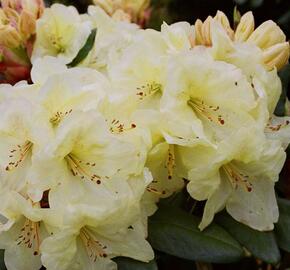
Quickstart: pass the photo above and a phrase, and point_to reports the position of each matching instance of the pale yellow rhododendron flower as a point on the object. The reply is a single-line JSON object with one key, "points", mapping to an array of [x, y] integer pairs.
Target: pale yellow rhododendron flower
{"points": [[22, 135], [206, 101], [112, 38], [138, 75], [63, 90], [258, 76], [245, 189], [178, 36], [98, 224], [92, 245], [61, 33], [81, 151], [22, 230], [275, 127], [138, 80]]}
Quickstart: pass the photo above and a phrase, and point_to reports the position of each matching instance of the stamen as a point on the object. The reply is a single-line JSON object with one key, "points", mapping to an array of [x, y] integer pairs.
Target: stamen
{"points": [[207, 111], [29, 236], [170, 162], [56, 43], [155, 191], [58, 116], [118, 127], [94, 248], [80, 168], [237, 178], [148, 90], [18, 155], [270, 127]]}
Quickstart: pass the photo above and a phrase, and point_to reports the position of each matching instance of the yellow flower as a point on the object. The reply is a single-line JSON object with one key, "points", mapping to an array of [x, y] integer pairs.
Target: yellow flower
{"points": [[60, 33]]}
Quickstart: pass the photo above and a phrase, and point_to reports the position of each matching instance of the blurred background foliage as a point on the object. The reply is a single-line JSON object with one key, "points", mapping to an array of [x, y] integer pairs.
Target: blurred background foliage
{"points": [[189, 10]]}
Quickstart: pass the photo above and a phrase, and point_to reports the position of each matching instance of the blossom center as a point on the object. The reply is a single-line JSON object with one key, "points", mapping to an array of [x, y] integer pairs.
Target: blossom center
{"points": [[277, 127], [94, 248], [208, 111], [29, 236], [82, 169], [117, 127], [58, 116], [148, 90], [237, 178], [18, 154], [56, 42]]}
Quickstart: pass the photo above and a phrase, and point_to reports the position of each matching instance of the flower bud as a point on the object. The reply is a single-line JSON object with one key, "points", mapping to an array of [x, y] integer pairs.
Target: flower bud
{"points": [[206, 31], [17, 26], [267, 35], [202, 32], [35, 7], [277, 55], [9, 37], [203, 29], [121, 15], [246, 27], [136, 11], [27, 25], [224, 21], [107, 5], [14, 66], [198, 32]]}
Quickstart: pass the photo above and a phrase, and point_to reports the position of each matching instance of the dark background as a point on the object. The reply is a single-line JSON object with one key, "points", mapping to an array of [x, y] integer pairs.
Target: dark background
{"points": [[190, 10]]}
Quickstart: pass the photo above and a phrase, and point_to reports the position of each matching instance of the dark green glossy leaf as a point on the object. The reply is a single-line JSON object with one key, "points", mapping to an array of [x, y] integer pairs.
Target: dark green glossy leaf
{"points": [[130, 264], [2, 264], [285, 78], [282, 228], [84, 51], [176, 232], [262, 245]]}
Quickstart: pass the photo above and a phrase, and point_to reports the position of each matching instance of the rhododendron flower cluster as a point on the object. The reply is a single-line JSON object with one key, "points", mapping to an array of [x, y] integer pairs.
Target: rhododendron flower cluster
{"points": [[88, 150]]}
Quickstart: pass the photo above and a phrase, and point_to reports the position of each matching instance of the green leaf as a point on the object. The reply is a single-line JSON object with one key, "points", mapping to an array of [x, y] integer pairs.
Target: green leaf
{"points": [[284, 75], [2, 264], [130, 264], [236, 17], [176, 232], [84, 51], [262, 245], [282, 228]]}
